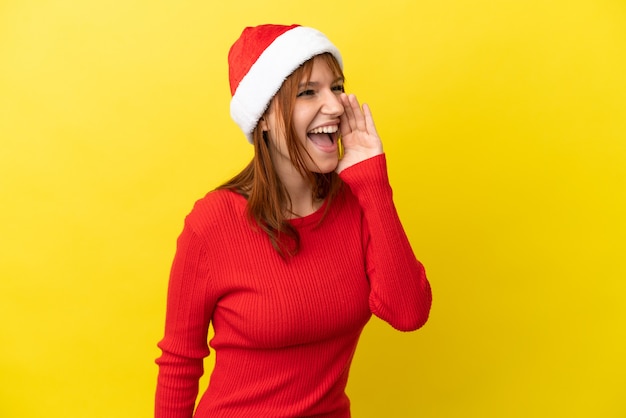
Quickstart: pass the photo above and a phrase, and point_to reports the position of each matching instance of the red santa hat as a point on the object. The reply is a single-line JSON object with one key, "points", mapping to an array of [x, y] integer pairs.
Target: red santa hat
{"points": [[261, 59]]}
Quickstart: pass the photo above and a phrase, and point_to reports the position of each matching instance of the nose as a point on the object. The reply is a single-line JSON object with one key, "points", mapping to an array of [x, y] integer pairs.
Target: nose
{"points": [[332, 105]]}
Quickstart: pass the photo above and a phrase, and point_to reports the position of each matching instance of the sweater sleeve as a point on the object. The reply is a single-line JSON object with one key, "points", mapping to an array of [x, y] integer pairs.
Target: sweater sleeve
{"points": [[184, 346], [400, 292]]}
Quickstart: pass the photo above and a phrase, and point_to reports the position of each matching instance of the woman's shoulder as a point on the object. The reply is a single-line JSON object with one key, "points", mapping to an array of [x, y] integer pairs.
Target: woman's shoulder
{"points": [[217, 197], [216, 207]]}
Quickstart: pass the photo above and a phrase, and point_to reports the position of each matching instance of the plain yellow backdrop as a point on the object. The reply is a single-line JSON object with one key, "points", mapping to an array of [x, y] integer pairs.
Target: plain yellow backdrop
{"points": [[505, 129]]}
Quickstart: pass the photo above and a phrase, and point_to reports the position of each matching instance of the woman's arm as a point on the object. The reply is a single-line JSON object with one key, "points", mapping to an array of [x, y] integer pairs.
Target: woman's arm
{"points": [[184, 346], [400, 292]]}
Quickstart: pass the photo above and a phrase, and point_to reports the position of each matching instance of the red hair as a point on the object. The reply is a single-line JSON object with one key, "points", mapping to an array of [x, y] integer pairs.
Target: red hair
{"points": [[269, 205]]}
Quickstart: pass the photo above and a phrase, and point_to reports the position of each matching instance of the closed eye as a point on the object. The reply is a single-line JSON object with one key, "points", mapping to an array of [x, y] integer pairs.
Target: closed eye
{"points": [[338, 88]]}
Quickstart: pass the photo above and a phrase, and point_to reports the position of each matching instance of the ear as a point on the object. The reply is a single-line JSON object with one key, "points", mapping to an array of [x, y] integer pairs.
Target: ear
{"points": [[263, 123]]}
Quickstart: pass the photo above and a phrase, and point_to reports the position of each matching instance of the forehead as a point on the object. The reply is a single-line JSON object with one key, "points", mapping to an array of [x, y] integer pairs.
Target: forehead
{"points": [[322, 68]]}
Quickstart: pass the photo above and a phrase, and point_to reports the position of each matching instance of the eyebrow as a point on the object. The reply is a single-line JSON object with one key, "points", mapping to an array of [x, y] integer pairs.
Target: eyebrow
{"points": [[316, 83]]}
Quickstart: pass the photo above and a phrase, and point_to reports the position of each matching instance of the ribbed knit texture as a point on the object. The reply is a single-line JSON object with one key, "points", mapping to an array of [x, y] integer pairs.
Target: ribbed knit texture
{"points": [[285, 330]]}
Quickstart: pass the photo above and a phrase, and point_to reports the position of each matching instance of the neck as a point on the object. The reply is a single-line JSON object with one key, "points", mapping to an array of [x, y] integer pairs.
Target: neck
{"points": [[300, 193]]}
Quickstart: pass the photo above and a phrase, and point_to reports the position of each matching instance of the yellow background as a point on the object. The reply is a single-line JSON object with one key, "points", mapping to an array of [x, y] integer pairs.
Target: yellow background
{"points": [[505, 128]]}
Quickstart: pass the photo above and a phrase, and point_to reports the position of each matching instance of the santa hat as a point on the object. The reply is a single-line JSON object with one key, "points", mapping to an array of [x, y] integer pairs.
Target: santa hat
{"points": [[260, 61]]}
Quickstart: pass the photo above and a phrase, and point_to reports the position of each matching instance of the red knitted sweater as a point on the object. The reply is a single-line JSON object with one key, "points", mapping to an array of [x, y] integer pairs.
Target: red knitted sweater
{"points": [[285, 329]]}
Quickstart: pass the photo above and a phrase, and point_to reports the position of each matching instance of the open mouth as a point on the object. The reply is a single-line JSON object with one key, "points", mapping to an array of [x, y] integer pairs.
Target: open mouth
{"points": [[324, 137]]}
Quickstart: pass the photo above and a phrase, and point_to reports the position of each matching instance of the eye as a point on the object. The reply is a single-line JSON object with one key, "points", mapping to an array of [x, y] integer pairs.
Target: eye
{"points": [[306, 93], [338, 88]]}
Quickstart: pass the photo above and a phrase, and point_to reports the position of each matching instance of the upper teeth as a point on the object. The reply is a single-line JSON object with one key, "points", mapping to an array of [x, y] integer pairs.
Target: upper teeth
{"points": [[325, 130]]}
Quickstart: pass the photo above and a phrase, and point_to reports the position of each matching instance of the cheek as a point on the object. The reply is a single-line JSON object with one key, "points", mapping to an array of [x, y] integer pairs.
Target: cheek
{"points": [[301, 121]]}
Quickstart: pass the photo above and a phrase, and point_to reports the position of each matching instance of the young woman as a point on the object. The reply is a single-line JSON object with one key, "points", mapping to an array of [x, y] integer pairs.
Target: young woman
{"points": [[289, 259]]}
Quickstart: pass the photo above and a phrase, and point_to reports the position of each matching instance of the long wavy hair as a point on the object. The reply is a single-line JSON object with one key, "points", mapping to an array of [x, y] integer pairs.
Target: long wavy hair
{"points": [[269, 205]]}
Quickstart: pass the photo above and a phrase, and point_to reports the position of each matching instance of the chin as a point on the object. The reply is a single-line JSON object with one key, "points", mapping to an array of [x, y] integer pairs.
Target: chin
{"points": [[324, 167]]}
